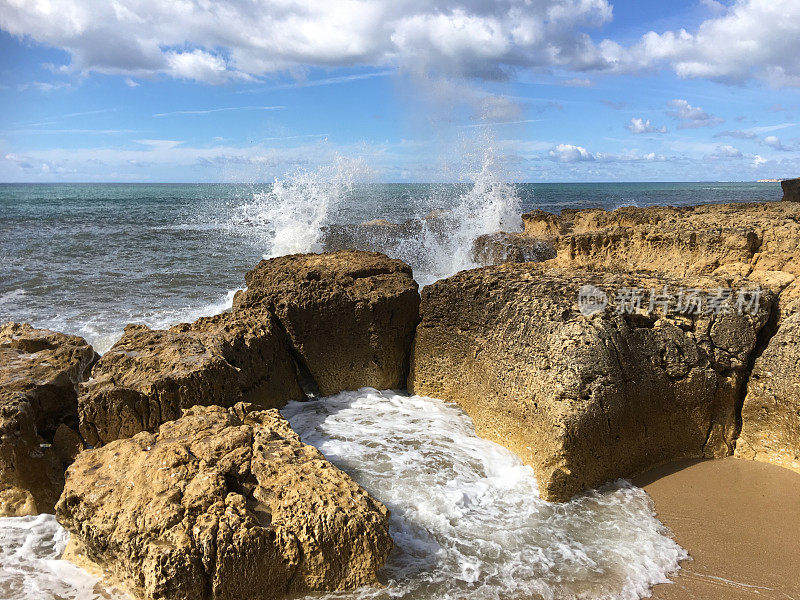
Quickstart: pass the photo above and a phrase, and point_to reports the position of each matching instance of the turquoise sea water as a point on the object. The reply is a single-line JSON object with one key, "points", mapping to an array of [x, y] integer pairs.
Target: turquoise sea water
{"points": [[89, 258]]}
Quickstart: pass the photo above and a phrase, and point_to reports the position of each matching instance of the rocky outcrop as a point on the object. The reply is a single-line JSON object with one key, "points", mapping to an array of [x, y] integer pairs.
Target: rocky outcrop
{"points": [[39, 375], [499, 248], [539, 223], [771, 410], [585, 399], [149, 376], [221, 504], [378, 235], [350, 316], [759, 242], [791, 189]]}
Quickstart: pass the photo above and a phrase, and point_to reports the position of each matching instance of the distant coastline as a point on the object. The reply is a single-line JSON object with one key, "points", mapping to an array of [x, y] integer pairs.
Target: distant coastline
{"points": [[769, 181]]}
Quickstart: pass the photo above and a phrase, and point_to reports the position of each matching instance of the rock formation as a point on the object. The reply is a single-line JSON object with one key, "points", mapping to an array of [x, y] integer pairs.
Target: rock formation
{"points": [[586, 399], [149, 376], [771, 411], [791, 189], [221, 504], [350, 315], [759, 242], [39, 375], [499, 248]]}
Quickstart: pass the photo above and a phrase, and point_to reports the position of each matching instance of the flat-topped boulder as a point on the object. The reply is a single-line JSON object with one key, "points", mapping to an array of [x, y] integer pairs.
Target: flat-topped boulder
{"points": [[149, 376], [221, 504], [771, 409], [39, 375], [791, 189], [587, 398], [350, 315]]}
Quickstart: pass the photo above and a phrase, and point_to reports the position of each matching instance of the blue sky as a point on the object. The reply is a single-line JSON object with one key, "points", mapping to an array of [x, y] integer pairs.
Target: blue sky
{"points": [[247, 90]]}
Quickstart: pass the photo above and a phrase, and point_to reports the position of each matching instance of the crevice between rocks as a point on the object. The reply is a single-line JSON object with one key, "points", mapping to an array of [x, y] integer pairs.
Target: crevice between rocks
{"points": [[763, 338], [305, 378]]}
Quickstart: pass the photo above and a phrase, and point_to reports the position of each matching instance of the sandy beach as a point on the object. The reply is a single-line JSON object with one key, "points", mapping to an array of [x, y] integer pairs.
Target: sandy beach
{"points": [[739, 520]]}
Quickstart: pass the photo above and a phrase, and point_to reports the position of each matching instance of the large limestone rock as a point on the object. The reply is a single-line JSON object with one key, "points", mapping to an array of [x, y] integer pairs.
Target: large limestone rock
{"points": [[759, 242], [585, 399], [221, 504], [149, 376], [791, 189], [350, 315], [39, 375], [771, 410]]}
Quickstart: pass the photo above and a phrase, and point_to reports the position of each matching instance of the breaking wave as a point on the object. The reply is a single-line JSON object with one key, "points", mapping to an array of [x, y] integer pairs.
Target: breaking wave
{"points": [[467, 519], [308, 211]]}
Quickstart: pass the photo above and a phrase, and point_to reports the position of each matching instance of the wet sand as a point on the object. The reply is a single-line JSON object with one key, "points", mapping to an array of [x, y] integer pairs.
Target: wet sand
{"points": [[739, 520]]}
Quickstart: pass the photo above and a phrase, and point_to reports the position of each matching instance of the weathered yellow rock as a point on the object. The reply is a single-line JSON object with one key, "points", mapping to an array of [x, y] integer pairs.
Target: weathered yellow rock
{"points": [[771, 410], [149, 376], [39, 375], [221, 504], [350, 315], [584, 399]]}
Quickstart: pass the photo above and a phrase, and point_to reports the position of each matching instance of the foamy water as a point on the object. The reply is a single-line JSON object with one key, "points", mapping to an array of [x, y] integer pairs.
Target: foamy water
{"points": [[30, 569], [467, 520]]}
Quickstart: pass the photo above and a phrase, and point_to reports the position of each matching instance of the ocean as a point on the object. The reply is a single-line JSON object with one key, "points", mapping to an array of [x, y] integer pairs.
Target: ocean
{"points": [[466, 516], [90, 258]]}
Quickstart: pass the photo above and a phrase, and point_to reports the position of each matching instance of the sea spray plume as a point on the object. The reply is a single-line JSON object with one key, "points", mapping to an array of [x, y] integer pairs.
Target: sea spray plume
{"points": [[488, 205], [290, 216], [443, 222]]}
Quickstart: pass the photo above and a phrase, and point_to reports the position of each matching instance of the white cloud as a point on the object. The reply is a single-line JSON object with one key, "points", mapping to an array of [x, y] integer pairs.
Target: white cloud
{"points": [[567, 153], [749, 39], [739, 134], [226, 40], [199, 65], [44, 86], [642, 126], [775, 143], [159, 144], [216, 110], [759, 160], [726, 151], [691, 117], [236, 39], [328, 80], [713, 5]]}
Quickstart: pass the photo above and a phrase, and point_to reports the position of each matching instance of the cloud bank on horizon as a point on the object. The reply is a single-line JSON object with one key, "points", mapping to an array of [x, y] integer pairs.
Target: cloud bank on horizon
{"points": [[492, 52]]}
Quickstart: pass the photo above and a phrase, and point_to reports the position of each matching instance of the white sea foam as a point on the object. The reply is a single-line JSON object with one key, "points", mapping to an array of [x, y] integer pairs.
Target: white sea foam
{"points": [[102, 334], [11, 297], [30, 568], [467, 519]]}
